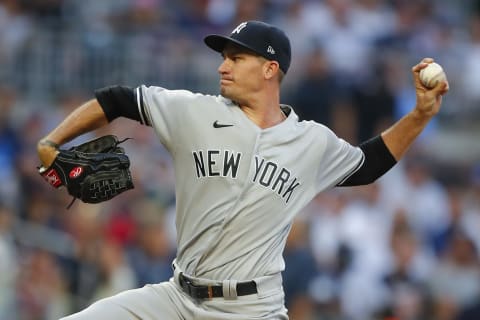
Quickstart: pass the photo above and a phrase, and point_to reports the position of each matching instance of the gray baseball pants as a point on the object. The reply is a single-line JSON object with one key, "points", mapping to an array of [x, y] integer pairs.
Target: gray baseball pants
{"points": [[168, 301]]}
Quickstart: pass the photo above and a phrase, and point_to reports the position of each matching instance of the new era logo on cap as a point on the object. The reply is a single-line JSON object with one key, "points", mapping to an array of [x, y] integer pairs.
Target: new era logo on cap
{"points": [[262, 38]]}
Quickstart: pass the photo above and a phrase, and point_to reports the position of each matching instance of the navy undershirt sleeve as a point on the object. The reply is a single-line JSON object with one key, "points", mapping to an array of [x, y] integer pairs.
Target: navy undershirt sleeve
{"points": [[118, 101], [378, 160]]}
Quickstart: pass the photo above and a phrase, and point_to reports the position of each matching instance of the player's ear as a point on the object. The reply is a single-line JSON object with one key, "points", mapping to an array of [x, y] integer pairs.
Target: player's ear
{"points": [[270, 69]]}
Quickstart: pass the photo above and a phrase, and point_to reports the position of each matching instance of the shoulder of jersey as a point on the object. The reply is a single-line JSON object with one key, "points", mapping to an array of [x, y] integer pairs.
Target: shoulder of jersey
{"points": [[199, 97], [312, 125], [212, 101]]}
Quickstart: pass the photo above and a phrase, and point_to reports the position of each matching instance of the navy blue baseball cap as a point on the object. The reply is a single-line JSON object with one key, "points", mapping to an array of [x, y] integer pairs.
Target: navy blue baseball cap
{"points": [[262, 38]]}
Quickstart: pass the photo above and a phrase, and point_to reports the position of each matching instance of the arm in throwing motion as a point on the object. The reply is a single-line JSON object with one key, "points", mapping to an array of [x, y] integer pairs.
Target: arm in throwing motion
{"points": [[399, 137], [382, 152]]}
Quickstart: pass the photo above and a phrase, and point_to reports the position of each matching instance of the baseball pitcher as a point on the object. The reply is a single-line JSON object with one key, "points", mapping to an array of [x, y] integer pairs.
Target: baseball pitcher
{"points": [[245, 166]]}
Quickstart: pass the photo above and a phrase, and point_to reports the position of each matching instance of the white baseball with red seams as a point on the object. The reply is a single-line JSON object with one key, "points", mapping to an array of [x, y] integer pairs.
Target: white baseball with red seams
{"points": [[432, 74]]}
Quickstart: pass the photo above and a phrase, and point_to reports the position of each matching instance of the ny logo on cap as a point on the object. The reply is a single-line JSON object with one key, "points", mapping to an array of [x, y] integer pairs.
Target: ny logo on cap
{"points": [[239, 27], [270, 50]]}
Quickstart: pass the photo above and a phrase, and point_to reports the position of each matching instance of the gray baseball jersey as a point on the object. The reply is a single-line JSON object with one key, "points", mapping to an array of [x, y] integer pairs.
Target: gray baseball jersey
{"points": [[238, 187]]}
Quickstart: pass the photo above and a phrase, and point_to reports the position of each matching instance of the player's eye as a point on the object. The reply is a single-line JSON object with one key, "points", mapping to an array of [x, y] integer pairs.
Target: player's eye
{"points": [[226, 56]]}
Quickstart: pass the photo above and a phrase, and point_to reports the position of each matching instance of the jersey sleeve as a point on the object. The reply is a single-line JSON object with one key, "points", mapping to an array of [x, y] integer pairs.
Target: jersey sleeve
{"points": [[164, 110], [339, 161], [378, 160]]}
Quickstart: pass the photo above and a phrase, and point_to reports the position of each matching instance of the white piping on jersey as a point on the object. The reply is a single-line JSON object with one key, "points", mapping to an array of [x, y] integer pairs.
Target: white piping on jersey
{"points": [[355, 169], [139, 105]]}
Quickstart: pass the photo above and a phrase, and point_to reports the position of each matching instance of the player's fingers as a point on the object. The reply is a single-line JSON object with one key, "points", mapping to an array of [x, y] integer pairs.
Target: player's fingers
{"points": [[428, 60], [441, 88], [422, 64]]}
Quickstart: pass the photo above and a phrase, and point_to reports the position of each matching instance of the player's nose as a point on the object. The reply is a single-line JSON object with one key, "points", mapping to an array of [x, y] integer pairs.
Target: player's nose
{"points": [[223, 67]]}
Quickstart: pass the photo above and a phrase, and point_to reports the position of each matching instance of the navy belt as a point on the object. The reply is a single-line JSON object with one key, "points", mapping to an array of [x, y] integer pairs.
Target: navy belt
{"points": [[208, 292]]}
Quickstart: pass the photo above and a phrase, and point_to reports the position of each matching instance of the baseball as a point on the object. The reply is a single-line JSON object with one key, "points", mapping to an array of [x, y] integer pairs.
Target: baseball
{"points": [[432, 74]]}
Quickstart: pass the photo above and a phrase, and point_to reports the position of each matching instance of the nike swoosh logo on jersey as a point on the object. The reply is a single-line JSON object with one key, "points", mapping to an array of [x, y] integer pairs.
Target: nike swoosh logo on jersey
{"points": [[221, 125]]}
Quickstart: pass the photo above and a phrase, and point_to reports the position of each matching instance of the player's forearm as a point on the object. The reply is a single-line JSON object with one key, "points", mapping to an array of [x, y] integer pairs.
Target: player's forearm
{"points": [[87, 117], [399, 137]]}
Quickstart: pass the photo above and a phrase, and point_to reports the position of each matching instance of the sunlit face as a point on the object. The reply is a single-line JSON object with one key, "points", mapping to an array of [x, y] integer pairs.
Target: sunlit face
{"points": [[241, 73]]}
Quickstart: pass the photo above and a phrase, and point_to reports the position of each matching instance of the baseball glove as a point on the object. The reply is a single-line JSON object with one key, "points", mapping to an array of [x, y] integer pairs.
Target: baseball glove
{"points": [[93, 172]]}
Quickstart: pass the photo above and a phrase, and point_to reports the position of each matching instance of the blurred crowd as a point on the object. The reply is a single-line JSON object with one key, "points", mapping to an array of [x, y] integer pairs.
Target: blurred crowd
{"points": [[405, 248]]}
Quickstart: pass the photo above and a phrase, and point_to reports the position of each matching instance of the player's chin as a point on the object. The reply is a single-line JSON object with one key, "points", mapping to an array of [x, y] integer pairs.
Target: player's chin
{"points": [[226, 92]]}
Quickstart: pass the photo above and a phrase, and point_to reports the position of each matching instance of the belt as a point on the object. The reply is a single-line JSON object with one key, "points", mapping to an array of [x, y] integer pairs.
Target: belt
{"points": [[208, 292]]}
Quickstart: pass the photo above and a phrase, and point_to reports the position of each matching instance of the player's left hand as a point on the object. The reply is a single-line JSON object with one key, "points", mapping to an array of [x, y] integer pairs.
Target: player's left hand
{"points": [[95, 171], [428, 100]]}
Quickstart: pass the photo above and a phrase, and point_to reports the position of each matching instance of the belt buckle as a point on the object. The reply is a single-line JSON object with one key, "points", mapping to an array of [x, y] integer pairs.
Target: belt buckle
{"points": [[191, 289]]}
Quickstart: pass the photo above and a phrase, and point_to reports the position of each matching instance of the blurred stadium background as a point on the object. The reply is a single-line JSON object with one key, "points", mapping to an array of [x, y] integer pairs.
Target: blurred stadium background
{"points": [[406, 247]]}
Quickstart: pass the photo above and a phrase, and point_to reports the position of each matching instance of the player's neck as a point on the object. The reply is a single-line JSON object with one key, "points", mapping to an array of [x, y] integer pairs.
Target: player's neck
{"points": [[262, 107], [264, 116]]}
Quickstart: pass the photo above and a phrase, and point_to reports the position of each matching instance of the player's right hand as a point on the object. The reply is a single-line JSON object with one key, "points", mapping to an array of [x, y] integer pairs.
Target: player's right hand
{"points": [[428, 100]]}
